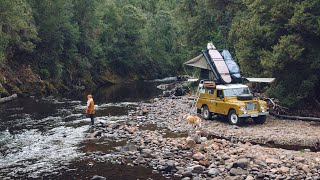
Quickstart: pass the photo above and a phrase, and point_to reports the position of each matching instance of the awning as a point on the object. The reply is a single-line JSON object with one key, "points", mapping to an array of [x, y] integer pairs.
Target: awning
{"points": [[265, 80], [199, 62]]}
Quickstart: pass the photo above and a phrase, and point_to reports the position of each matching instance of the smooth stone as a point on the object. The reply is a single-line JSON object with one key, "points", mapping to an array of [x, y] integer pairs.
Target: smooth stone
{"points": [[146, 152], [299, 159], [170, 166], [186, 174], [186, 178], [238, 171], [204, 163], [203, 139], [197, 169], [243, 163], [96, 177], [213, 172], [190, 142], [198, 156], [272, 161], [284, 169], [306, 168], [249, 178]]}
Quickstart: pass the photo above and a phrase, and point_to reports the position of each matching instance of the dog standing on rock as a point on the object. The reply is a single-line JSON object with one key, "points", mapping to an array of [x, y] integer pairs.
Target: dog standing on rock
{"points": [[194, 120]]}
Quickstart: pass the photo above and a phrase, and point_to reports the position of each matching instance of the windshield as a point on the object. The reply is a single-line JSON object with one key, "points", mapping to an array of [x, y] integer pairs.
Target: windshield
{"points": [[236, 91]]}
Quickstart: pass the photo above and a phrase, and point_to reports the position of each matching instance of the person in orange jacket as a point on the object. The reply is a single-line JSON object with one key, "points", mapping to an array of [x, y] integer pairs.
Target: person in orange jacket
{"points": [[90, 108]]}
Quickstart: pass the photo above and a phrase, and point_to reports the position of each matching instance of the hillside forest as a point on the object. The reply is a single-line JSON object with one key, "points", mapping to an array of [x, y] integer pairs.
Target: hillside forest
{"points": [[69, 43]]}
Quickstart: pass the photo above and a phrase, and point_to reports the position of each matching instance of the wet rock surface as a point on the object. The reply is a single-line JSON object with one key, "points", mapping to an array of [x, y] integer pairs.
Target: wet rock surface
{"points": [[223, 151]]}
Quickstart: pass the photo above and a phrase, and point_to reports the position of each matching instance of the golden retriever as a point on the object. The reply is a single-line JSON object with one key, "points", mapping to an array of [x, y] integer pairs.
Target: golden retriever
{"points": [[194, 120]]}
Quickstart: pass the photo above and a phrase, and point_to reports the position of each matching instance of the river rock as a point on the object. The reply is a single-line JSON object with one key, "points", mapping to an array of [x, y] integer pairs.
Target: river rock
{"points": [[197, 169], [146, 152], [217, 178], [213, 172], [238, 171], [186, 174], [95, 134], [186, 178], [284, 169], [232, 178], [249, 178], [131, 130], [196, 136], [204, 163], [166, 93], [169, 166], [299, 159], [243, 163], [272, 161], [198, 156], [203, 139], [96, 177], [190, 142], [306, 168]]}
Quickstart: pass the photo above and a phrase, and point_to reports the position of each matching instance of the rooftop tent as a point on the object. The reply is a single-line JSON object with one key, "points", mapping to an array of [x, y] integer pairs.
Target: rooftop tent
{"points": [[199, 62], [216, 65]]}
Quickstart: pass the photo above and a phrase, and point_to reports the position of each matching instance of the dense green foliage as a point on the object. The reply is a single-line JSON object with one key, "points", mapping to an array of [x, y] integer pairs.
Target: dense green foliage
{"points": [[92, 41], [281, 39]]}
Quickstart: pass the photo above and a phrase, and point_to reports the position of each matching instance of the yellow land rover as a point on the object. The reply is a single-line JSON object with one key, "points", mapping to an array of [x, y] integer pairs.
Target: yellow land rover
{"points": [[232, 100]]}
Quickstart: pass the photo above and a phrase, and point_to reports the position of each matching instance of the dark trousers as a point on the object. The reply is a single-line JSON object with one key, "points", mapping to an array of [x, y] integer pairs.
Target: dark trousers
{"points": [[91, 117]]}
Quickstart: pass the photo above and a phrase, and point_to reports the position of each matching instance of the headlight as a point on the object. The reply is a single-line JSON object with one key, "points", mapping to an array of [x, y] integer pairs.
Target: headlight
{"points": [[243, 109], [262, 108]]}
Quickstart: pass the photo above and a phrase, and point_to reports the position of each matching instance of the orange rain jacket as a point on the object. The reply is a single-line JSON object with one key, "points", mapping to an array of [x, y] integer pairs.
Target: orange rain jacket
{"points": [[90, 106]]}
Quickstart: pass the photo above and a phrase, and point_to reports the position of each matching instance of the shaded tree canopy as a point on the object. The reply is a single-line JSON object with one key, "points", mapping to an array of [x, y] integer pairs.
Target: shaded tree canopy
{"points": [[93, 41]]}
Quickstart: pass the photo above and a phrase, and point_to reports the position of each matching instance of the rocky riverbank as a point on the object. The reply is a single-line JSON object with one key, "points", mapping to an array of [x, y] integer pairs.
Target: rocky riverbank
{"points": [[155, 137]]}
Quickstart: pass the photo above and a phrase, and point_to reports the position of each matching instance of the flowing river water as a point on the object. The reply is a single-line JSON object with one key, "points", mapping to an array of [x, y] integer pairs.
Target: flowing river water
{"points": [[45, 138]]}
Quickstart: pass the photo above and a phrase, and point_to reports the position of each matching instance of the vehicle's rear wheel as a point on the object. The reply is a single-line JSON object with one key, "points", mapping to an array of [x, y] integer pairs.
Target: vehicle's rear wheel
{"points": [[234, 118], [206, 113], [260, 119]]}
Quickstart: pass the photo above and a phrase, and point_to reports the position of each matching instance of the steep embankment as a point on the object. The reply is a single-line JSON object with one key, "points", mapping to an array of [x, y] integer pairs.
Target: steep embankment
{"points": [[21, 79]]}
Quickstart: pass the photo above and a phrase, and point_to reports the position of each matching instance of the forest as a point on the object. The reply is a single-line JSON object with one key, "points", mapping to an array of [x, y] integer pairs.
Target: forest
{"points": [[93, 42]]}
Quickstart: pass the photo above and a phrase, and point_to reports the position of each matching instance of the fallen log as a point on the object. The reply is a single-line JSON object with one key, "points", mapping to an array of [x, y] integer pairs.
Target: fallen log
{"points": [[9, 98], [295, 117]]}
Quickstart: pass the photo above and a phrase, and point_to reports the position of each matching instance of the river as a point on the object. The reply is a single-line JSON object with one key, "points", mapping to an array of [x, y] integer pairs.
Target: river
{"points": [[45, 138]]}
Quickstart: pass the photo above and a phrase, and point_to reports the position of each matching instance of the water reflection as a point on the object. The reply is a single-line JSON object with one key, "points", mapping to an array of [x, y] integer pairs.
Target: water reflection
{"points": [[124, 92]]}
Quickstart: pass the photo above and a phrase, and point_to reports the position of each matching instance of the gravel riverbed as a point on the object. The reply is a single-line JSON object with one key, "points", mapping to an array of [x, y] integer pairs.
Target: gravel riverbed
{"points": [[155, 136]]}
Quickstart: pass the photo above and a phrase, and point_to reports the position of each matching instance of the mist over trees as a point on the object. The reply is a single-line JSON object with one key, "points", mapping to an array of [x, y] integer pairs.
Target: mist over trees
{"points": [[92, 41]]}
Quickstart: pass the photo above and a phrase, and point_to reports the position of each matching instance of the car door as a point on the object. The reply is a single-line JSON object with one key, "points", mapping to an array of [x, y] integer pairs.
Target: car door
{"points": [[220, 104]]}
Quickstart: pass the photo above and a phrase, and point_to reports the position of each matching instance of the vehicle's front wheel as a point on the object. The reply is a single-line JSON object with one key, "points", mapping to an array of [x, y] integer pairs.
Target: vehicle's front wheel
{"points": [[260, 119], [234, 118], [206, 113]]}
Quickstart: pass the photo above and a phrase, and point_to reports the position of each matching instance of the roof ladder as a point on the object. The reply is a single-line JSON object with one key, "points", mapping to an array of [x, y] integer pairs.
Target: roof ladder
{"points": [[195, 100]]}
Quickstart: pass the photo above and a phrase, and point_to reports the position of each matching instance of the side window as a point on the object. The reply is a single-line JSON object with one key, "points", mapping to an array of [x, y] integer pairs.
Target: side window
{"points": [[219, 94]]}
